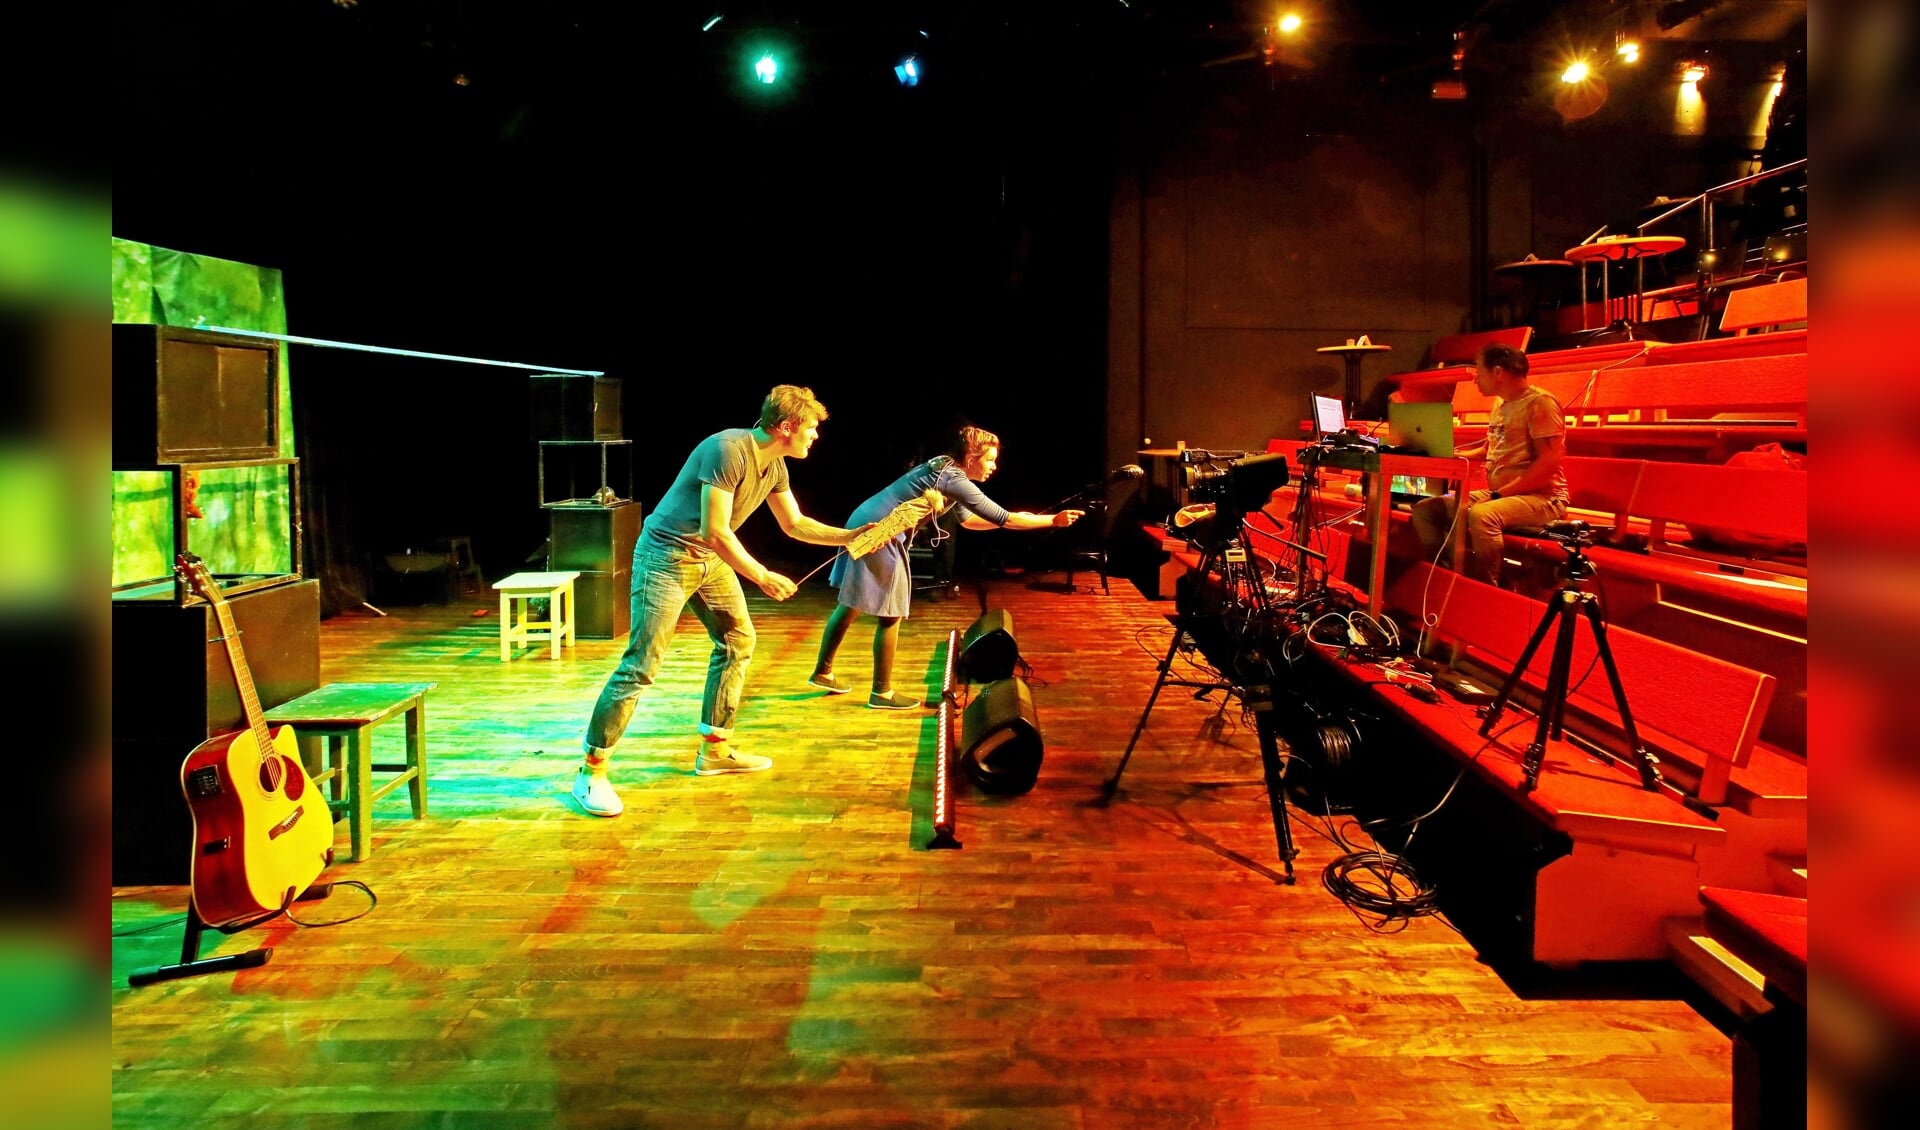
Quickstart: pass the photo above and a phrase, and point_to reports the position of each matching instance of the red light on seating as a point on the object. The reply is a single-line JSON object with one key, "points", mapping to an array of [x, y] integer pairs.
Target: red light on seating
{"points": [[1450, 90]]}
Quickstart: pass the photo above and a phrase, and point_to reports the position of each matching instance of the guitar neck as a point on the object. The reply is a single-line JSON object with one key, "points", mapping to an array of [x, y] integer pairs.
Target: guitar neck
{"points": [[243, 678]]}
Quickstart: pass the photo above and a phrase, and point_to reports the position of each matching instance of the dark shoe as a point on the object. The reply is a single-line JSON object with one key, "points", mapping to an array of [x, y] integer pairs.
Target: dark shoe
{"points": [[892, 702], [826, 682]]}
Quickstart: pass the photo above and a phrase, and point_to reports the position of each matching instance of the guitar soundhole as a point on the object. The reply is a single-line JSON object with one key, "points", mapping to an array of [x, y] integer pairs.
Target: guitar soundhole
{"points": [[272, 773]]}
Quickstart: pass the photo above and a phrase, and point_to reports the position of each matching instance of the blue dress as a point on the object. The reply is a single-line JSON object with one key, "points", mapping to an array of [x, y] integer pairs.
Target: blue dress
{"points": [[881, 583]]}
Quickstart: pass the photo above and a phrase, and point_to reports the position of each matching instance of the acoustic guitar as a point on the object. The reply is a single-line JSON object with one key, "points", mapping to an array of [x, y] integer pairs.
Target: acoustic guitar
{"points": [[261, 832]]}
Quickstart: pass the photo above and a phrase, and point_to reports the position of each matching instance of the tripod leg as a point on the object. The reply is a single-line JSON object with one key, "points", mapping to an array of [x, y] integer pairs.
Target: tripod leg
{"points": [[1159, 684], [1553, 698], [1499, 704], [1649, 764], [1276, 786], [1302, 515], [1553, 704]]}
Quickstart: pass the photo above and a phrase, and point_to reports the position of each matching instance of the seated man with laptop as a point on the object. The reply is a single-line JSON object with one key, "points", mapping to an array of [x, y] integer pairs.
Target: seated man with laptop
{"points": [[1525, 450]]}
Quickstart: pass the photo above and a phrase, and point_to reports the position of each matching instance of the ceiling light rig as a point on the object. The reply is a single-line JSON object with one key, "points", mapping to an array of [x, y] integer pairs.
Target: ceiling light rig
{"points": [[1581, 91]]}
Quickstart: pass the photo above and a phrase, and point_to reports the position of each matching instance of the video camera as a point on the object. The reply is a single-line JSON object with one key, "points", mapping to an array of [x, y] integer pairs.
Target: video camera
{"points": [[1574, 537], [1573, 533], [1234, 481]]}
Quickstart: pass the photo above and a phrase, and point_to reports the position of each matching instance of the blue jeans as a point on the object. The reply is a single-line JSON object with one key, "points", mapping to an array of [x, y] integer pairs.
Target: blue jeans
{"points": [[1486, 517], [662, 588]]}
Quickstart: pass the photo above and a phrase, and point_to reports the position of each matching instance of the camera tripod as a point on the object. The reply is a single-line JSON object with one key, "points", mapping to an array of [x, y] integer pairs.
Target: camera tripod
{"points": [[1195, 613], [1303, 525], [1569, 599]]}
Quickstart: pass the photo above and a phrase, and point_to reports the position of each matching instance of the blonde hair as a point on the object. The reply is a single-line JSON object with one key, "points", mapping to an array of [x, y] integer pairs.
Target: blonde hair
{"points": [[972, 441], [790, 402]]}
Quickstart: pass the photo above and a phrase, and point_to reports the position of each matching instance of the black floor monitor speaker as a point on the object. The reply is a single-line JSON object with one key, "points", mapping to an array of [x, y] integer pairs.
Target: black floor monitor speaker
{"points": [[1000, 739], [987, 650]]}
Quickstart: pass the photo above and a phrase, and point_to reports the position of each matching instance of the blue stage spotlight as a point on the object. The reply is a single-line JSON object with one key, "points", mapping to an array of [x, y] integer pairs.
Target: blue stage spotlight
{"points": [[766, 69], [908, 71]]}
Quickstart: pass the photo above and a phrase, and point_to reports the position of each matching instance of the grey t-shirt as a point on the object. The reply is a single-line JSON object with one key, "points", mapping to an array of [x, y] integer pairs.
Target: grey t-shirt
{"points": [[725, 460], [1514, 434]]}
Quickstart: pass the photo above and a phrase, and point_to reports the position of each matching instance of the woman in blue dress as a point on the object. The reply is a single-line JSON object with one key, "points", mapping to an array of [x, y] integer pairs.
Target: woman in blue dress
{"points": [[881, 583]]}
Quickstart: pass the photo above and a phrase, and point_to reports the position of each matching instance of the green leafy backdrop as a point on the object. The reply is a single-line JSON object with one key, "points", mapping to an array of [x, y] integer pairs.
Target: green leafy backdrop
{"points": [[247, 528]]}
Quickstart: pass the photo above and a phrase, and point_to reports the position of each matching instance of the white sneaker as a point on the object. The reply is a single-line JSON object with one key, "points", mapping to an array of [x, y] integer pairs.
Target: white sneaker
{"points": [[595, 793], [732, 761]]}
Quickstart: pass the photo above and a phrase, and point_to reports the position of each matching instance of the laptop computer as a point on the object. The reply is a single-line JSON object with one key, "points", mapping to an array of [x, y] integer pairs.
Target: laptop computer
{"points": [[1425, 427], [1329, 416]]}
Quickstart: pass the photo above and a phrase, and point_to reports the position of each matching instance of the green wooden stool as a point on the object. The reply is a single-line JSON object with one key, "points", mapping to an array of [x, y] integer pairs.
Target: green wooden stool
{"points": [[345, 714]]}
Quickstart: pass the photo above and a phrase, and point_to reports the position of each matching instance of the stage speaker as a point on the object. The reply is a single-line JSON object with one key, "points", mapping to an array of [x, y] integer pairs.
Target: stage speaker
{"points": [[570, 406], [1000, 738], [987, 650]]}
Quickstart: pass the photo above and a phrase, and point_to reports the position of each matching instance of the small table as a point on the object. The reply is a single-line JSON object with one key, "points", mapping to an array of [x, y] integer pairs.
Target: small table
{"points": [[1614, 249], [1380, 470], [1353, 351], [517, 626], [347, 713], [1542, 285]]}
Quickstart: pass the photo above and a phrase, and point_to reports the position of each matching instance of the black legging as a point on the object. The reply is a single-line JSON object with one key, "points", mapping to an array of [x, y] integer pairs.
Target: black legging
{"points": [[886, 645]]}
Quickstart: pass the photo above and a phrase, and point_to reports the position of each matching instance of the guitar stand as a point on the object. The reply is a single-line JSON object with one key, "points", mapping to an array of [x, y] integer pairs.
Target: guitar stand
{"points": [[1269, 746], [1559, 615], [191, 964]]}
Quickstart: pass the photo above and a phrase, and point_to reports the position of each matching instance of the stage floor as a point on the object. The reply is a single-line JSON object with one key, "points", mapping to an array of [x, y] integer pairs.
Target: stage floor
{"points": [[783, 949]]}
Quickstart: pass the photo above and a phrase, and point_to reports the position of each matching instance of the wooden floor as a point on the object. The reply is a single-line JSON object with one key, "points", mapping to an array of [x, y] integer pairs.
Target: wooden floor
{"points": [[782, 949]]}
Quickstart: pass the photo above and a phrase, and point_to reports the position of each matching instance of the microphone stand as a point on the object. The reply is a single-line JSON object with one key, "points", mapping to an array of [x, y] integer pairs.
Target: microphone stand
{"points": [[1097, 556], [1097, 484]]}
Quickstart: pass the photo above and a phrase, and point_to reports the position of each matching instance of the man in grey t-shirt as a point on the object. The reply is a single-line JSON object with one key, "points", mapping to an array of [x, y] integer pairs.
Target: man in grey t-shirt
{"points": [[1525, 450], [688, 554]]}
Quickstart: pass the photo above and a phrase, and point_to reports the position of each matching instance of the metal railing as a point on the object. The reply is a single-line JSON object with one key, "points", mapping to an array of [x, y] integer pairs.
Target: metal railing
{"points": [[1705, 202]]}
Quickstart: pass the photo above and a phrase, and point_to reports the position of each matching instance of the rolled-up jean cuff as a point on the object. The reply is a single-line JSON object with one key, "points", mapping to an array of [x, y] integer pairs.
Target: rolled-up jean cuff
{"points": [[716, 733], [595, 751]]}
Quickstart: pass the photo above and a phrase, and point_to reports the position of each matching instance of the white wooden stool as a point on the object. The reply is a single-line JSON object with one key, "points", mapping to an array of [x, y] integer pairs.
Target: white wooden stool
{"points": [[517, 626]]}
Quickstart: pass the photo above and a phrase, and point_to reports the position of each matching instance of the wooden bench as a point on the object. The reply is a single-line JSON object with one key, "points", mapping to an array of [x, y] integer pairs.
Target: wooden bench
{"points": [[1700, 410], [1451, 359], [1653, 499], [1699, 712], [1464, 349], [1774, 387], [1588, 865], [1769, 933], [1772, 344], [345, 714], [1776, 304]]}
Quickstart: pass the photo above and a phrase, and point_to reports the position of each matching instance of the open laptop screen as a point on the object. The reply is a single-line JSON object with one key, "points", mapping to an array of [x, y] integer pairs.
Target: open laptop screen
{"points": [[1329, 415]]}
